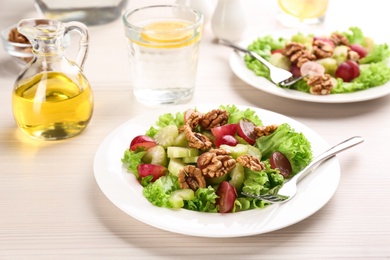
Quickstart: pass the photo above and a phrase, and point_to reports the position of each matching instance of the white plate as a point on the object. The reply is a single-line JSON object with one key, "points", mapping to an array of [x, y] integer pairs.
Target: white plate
{"points": [[125, 192], [239, 68]]}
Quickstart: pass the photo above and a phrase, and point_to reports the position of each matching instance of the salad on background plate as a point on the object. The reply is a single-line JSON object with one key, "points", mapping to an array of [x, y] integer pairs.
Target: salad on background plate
{"points": [[340, 67], [126, 190]]}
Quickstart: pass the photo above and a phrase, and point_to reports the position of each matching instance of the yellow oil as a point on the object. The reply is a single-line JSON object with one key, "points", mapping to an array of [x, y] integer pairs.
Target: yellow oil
{"points": [[50, 106]]}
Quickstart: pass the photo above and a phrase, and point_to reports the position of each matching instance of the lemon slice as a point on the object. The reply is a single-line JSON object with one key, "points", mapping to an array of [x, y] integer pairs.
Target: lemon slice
{"points": [[304, 9], [168, 34]]}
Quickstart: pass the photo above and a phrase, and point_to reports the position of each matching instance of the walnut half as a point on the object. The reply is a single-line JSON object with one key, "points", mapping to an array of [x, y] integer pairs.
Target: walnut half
{"points": [[216, 163], [214, 118], [196, 140], [191, 177], [194, 119], [251, 162], [321, 84], [339, 39], [298, 53], [322, 49], [265, 130]]}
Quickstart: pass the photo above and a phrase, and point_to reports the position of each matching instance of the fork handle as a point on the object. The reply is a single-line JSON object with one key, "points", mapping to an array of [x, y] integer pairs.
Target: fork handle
{"points": [[327, 154], [253, 54]]}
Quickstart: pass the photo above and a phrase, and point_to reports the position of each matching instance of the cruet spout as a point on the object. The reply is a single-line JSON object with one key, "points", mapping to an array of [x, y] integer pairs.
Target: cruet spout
{"points": [[47, 36]]}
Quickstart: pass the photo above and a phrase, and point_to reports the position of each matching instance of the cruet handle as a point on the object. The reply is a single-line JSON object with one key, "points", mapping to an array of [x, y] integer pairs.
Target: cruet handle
{"points": [[83, 43]]}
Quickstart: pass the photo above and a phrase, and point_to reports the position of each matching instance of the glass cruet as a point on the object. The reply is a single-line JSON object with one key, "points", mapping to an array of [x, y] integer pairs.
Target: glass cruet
{"points": [[52, 99]]}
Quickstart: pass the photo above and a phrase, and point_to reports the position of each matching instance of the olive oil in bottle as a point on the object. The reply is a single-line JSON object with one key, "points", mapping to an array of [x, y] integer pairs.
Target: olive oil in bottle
{"points": [[50, 106]]}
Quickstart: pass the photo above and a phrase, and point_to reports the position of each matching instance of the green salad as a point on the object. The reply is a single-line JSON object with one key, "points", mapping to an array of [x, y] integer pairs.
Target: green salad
{"points": [[203, 160], [342, 62]]}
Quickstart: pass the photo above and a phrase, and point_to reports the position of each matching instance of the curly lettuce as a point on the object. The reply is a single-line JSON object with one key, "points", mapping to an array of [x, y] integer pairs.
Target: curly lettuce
{"points": [[379, 53], [263, 46], [165, 120], [293, 145], [132, 159], [236, 115], [371, 75], [204, 201], [258, 182], [158, 192], [354, 35]]}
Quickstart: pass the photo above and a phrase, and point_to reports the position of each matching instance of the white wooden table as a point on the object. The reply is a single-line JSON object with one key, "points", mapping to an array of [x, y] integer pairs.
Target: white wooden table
{"points": [[52, 208]]}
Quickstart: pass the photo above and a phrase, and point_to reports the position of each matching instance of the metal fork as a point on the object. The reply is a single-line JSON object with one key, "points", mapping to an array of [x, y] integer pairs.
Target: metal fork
{"points": [[289, 189], [278, 76]]}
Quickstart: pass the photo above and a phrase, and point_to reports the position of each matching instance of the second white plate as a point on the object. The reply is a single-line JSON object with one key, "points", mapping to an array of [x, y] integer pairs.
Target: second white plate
{"points": [[240, 69]]}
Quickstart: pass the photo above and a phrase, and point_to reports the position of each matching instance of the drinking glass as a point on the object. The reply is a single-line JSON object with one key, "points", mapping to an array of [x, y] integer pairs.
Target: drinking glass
{"points": [[163, 46], [293, 12]]}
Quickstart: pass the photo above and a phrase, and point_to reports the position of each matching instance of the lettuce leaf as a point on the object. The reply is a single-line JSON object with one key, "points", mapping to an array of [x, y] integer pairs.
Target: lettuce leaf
{"points": [[371, 75], [236, 114], [165, 120], [293, 145], [263, 46], [256, 66], [258, 182], [133, 159], [158, 192], [380, 52], [355, 35], [204, 201], [307, 40]]}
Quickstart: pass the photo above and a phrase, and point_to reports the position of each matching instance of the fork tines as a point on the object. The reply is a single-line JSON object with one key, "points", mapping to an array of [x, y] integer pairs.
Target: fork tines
{"points": [[267, 197]]}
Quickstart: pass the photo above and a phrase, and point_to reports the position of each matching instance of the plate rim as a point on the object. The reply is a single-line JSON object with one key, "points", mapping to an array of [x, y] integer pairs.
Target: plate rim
{"points": [[113, 190]]}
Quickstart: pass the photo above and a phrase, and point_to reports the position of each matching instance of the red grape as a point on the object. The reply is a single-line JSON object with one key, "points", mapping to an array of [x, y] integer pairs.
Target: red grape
{"points": [[347, 71], [295, 70], [226, 196], [323, 39], [142, 141], [246, 131], [151, 169], [359, 49], [355, 68], [225, 139], [229, 129], [280, 161]]}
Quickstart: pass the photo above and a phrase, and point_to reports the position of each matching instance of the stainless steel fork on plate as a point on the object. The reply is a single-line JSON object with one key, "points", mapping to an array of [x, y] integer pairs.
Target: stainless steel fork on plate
{"points": [[277, 75], [289, 189]]}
